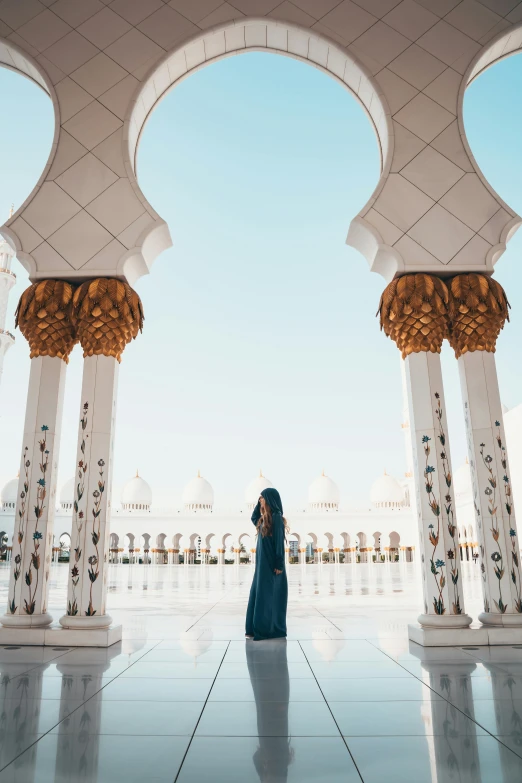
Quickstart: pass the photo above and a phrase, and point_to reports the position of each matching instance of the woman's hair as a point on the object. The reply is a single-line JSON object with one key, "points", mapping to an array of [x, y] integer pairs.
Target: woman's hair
{"points": [[264, 523]]}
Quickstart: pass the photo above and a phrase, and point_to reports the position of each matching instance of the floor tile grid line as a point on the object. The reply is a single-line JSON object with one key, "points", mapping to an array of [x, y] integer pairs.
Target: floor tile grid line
{"points": [[44, 734], [498, 739], [200, 715], [333, 716]]}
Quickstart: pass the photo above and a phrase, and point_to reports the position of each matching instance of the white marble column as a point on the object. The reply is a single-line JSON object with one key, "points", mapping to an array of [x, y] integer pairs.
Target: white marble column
{"points": [[88, 566], [442, 584], [492, 492], [34, 516]]}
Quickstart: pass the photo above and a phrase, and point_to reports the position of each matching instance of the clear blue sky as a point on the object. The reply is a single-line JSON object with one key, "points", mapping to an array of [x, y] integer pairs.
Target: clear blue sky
{"points": [[261, 347]]}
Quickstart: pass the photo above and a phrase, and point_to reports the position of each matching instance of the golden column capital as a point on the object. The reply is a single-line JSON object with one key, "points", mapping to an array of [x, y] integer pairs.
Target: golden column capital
{"points": [[478, 311], [414, 312], [107, 314], [43, 316]]}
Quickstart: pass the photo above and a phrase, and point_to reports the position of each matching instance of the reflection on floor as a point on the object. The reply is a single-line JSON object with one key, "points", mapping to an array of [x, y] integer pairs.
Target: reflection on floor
{"points": [[184, 698]]}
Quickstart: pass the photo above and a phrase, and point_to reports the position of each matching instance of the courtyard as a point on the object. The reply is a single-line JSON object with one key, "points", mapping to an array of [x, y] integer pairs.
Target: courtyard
{"points": [[184, 698]]}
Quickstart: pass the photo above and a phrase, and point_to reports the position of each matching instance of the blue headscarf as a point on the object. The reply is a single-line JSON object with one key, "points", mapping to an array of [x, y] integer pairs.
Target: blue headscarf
{"points": [[273, 498]]}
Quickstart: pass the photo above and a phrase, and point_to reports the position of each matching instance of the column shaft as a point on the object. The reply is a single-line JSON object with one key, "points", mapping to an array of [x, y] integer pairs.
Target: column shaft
{"points": [[442, 586], [34, 515], [87, 588], [492, 493]]}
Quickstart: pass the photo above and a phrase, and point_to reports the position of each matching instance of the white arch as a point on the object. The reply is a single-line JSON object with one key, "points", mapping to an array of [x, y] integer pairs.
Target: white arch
{"points": [[395, 540], [255, 34], [16, 59], [504, 45], [160, 540]]}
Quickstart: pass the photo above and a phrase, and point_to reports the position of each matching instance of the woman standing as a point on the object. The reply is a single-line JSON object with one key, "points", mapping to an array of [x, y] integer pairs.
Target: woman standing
{"points": [[266, 613]]}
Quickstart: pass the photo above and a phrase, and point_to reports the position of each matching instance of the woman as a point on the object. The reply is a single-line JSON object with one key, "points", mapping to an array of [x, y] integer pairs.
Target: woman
{"points": [[266, 613]]}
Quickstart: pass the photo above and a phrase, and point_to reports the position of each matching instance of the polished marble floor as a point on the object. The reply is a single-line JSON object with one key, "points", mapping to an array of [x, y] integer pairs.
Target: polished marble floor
{"points": [[184, 698]]}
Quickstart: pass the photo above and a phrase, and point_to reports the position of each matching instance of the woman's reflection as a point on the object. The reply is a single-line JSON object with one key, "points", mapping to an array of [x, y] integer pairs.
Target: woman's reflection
{"points": [[274, 753]]}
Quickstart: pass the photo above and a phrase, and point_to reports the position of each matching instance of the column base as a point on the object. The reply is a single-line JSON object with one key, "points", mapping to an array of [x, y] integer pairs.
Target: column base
{"points": [[82, 623], [449, 621], [61, 637], [462, 637], [26, 621], [501, 620]]}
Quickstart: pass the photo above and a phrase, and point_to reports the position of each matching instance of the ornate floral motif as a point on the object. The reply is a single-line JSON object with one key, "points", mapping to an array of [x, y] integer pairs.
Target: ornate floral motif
{"points": [[496, 556], [508, 504], [448, 507], [107, 314], [478, 309], [94, 560], [43, 316], [445, 515], [41, 493], [22, 524], [437, 565], [414, 312], [78, 513]]}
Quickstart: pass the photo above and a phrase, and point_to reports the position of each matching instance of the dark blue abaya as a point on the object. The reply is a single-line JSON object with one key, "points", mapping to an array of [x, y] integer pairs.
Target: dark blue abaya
{"points": [[266, 613]]}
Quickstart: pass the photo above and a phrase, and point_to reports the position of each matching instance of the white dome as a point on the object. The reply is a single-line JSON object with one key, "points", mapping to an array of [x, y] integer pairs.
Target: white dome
{"points": [[462, 480], [67, 495], [386, 492], [136, 495], [323, 493], [255, 488], [9, 495], [198, 495]]}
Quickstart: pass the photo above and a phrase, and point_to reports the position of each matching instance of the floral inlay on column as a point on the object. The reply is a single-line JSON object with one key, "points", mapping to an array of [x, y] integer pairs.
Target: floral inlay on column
{"points": [[437, 564], [508, 503], [22, 524], [78, 515], [94, 560], [496, 556], [37, 535], [448, 507]]}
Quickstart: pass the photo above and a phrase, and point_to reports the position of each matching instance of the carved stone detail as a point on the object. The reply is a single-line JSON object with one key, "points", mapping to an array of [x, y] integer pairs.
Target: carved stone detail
{"points": [[414, 312]]}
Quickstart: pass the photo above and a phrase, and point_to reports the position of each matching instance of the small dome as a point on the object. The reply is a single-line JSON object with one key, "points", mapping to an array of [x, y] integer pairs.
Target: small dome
{"points": [[9, 495], [67, 495], [255, 488], [386, 492], [323, 494], [462, 480], [198, 495], [136, 495]]}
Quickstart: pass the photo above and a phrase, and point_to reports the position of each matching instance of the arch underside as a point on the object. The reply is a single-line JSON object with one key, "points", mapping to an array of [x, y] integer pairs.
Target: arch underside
{"points": [[432, 210]]}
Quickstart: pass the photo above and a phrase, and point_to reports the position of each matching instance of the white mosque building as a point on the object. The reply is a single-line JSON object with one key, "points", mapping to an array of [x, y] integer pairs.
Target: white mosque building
{"points": [[323, 530], [200, 532]]}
